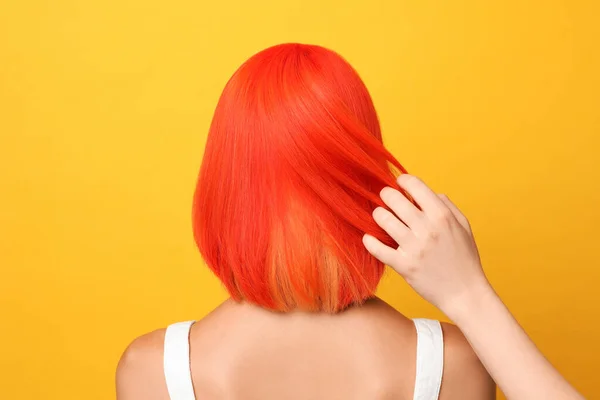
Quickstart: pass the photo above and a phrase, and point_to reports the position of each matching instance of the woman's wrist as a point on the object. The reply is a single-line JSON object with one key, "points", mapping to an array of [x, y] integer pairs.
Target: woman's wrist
{"points": [[471, 303]]}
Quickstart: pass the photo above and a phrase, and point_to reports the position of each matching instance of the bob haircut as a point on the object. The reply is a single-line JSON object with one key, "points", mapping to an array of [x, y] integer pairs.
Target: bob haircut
{"points": [[292, 170]]}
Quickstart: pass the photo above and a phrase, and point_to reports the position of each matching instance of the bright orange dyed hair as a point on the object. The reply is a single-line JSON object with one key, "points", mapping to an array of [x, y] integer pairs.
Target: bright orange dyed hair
{"points": [[291, 173]]}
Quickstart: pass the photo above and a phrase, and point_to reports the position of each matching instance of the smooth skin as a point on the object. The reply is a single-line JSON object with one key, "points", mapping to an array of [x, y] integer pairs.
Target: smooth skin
{"points": [[438, 257], [241, 351]]}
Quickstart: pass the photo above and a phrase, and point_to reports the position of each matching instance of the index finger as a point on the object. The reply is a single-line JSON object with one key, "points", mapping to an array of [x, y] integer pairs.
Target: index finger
{"points": [[426, 198]]}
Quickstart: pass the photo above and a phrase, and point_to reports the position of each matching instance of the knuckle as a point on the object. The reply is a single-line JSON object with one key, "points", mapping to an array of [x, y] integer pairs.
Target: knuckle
{"points": [[443, 216], [382, 216], [411, 270], [387, 219], [432, 235], [419, 253], [468, 227]]}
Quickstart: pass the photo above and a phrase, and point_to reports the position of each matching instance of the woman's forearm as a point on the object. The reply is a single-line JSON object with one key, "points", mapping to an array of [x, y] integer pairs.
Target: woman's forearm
{"points": [[509, 355]]}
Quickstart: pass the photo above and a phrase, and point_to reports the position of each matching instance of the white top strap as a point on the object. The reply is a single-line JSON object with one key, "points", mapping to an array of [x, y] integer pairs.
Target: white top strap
{"points": [[177, 361], [430, 359]]}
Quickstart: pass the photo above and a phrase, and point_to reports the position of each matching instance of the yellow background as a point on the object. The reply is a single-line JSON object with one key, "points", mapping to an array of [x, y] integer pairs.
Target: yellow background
{"points": [[104, 109]]}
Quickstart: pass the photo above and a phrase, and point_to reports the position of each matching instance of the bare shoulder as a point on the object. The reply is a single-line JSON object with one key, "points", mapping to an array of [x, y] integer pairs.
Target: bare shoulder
{"points": [[465, 377], [140, 369]]}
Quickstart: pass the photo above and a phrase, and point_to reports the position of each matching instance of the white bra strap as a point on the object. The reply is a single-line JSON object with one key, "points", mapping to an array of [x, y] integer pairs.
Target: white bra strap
{"points": [[177, 361], [430, 359]]}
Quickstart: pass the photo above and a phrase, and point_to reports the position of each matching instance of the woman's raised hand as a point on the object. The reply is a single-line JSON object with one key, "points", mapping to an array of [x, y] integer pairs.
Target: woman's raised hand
{"points": [[437, 254]]}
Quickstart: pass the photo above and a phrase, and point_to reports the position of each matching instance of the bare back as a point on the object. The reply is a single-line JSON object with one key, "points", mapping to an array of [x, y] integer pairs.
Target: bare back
{"points": [[241, 351]]}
